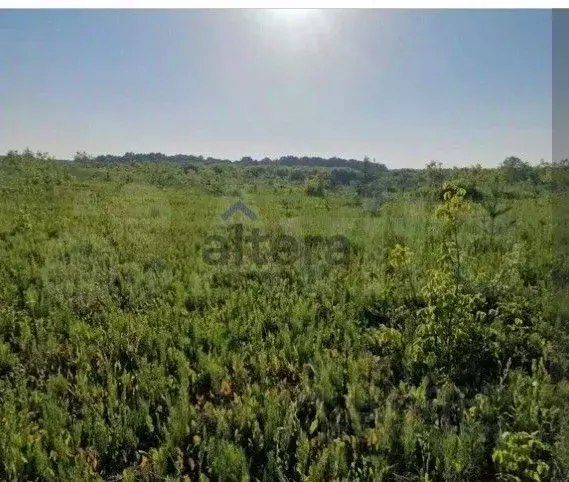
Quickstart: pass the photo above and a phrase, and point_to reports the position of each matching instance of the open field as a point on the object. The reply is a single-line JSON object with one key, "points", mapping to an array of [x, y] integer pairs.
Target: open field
{"points": [[433, 352]]}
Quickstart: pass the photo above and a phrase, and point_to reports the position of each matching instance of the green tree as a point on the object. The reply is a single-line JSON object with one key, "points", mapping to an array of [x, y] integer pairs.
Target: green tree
{"points": [[516, 170]]}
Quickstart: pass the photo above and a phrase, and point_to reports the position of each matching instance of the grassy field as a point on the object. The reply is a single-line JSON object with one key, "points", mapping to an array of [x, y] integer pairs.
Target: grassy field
{"points": [[433, 353]]}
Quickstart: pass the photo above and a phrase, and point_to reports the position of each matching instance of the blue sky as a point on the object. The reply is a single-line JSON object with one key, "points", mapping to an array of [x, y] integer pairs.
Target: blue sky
{"points": [[404, 87]]}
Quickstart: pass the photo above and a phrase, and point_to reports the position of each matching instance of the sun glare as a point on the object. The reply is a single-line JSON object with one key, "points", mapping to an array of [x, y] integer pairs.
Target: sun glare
{"points": [[298, 31], [292, 14]]}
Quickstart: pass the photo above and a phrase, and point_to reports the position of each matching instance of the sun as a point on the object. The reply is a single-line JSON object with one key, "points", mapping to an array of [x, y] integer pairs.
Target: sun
{"points": [[292, 15], [291, 31]]}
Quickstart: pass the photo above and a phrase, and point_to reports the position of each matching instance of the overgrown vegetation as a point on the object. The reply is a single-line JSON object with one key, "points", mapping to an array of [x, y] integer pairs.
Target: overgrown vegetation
{"points": [[436, 354]]}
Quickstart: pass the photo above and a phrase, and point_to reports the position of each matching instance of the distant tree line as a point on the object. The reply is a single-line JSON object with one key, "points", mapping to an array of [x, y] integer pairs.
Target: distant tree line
{"points": [[368, 178], [365, 165], [314, 161], [131, 157]]}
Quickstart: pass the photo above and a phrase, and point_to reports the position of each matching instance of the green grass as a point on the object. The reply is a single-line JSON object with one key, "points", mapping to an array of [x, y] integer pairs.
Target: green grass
{"points": [[123, 355]]}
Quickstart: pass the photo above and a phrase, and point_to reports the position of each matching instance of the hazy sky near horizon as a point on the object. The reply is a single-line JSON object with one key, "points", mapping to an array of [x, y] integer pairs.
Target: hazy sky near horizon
{"points": [[404, 87]]}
